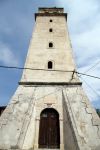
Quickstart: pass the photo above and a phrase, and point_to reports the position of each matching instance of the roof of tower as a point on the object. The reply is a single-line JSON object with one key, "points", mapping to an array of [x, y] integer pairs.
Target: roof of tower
{"points": [[50, 8], [50, 11]]}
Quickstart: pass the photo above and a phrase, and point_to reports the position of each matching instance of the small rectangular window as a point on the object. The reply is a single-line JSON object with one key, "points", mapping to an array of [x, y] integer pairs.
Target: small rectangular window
{"points": [[50, 44], [50, 30]]}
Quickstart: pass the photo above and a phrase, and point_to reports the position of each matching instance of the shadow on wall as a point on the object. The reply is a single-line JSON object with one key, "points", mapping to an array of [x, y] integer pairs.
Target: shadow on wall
{"points": [[2, 108], [98, 112]]}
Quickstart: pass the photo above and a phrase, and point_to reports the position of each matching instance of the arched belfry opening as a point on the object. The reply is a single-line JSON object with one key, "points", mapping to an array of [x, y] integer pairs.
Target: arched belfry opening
{"points": [[50, 45], [50, 65], [49, 129]]}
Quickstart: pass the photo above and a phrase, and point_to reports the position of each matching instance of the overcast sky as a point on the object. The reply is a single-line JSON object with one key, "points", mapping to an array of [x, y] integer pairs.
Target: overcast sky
{"points": [[16, 25]]}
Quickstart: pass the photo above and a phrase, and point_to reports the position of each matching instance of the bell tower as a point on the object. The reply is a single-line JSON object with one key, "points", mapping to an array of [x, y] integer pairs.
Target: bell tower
{"points": [[50, 49], [49, 109]]}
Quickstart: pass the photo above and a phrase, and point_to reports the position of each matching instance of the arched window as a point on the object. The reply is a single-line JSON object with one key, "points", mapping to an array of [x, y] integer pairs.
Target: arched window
{"points": [[50, 44], [50, 65], [50, 30], [49, 129]]}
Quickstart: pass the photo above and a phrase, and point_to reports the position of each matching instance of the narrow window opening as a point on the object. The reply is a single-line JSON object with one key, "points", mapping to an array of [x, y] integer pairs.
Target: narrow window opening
{"points": [[50, 30], [50, 20], [50, 65], [50, 44]]}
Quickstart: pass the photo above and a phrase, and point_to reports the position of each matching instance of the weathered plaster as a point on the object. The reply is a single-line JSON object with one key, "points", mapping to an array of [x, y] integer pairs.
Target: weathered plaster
{"points": [[40, 89]]}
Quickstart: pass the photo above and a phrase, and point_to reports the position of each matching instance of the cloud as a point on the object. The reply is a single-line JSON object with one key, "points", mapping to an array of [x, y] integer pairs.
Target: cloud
{"points": [[16, 24], [87, 46], [88, 85], [7, 57], [84, 29], [83, 22], [82, 12]]}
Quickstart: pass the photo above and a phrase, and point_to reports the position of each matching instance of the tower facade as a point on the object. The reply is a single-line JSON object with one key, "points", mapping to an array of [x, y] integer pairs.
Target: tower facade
{"points": [[49, 109]]}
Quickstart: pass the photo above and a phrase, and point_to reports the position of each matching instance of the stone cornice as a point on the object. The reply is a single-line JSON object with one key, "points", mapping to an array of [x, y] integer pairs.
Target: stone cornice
{"points": [[50, 83], [51, 14]]}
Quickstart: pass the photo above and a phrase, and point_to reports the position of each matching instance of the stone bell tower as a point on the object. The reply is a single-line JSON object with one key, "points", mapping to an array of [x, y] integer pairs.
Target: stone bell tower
{"points": [[49, 110]]}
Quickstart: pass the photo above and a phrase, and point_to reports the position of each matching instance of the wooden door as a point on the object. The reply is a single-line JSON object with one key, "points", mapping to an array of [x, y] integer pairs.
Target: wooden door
{"points": [[49, 132]]}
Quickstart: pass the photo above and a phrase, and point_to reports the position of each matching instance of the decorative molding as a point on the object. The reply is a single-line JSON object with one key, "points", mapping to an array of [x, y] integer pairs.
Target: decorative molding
{"points": [[50, 83], [51, 14]]}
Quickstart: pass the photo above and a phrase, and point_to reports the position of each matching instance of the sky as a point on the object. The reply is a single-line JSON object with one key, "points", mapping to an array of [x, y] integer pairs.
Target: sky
{"points": [[16, 26]]}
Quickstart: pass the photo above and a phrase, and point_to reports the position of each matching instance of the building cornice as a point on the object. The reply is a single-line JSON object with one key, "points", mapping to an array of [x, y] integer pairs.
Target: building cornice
{"points": [[50, 14], [50, 83]]}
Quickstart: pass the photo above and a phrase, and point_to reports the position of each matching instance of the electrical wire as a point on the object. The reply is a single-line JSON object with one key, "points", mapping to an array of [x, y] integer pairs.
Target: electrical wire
{"points": [[91, 67], [50, 70], [21, 68], [87, 75], [90, 87]]}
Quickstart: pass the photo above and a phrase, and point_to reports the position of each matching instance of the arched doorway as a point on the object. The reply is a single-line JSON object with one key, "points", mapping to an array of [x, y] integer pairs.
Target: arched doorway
{"points": [[49, 131]]}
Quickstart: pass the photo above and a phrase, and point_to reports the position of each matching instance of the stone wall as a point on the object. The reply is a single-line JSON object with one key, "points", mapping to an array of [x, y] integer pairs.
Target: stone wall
{"points": [[79, 123]]}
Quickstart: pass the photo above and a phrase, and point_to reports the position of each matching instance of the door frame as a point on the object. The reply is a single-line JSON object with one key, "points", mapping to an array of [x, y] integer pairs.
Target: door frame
{"points": [[37, 124], [48, 112]]}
